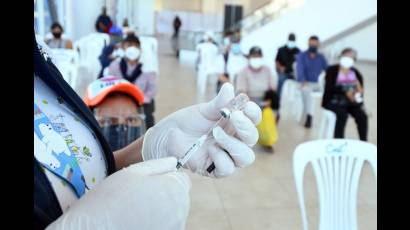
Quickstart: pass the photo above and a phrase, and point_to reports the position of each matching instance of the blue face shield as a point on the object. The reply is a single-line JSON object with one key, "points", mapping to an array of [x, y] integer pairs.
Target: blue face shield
{"points": [[120, 132], [119, 136]]}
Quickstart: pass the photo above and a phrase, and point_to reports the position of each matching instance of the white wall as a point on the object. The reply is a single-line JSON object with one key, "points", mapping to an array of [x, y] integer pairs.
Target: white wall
{"points": [[365, 42], [140, 15], [191, 21], [145, 17], [83, 16], [323, 18]]}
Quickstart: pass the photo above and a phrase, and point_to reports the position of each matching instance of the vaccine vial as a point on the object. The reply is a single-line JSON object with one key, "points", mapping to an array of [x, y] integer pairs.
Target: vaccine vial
{"points": [[238, 103]]}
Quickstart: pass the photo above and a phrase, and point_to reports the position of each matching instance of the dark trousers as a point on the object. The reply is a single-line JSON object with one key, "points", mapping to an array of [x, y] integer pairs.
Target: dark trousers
{"points": [[342, 113], [149, 109]]}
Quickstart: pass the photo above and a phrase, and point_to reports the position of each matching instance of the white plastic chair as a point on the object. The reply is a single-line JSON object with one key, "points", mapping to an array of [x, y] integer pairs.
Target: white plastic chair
{"points": [[291, 99], [66, 60], [149, 54], [337, 165], [327, 126], [90, 48]]}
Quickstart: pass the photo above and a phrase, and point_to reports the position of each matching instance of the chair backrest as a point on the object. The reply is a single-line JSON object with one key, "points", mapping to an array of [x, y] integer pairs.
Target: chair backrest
{"points": [[66, 56], [149, 54], [337, 164], [327, 126]]}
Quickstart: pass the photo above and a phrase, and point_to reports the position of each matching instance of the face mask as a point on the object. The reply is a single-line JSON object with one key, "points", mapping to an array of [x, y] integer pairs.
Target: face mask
{"points": [[57, 35], [118, 53], [132, 53], [346, 62], [119, 136], [256, 63], [312, 49], [291, 44], [236, 49]]}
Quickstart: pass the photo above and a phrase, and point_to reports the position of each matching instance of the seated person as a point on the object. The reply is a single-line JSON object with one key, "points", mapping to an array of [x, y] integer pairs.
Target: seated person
{"points": [[344, 94], [57, 42], [116, 104], [256, 79], [129, 67]]}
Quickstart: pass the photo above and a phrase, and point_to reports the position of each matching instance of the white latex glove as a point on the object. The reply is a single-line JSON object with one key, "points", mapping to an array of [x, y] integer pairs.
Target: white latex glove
{"points": [[173, 135], [144, 196]]}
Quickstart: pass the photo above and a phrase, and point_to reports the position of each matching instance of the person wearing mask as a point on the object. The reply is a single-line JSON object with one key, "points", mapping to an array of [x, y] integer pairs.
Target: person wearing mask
{"points": [[129, 67], [256, 79], [104, 22], [208, 60], [117, 106], [309, 65], [285, 58], [344, 94], [236, 60], [80, 183], [57, 42]]}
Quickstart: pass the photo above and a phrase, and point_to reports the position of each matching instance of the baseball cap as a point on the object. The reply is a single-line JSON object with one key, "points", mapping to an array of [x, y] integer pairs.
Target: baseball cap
{"points": [[99, 89]]}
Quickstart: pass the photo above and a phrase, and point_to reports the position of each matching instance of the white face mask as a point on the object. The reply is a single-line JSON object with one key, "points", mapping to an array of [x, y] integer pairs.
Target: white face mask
{"points": [[346, 62], [291, 44], [132, 53], [256, 63]]}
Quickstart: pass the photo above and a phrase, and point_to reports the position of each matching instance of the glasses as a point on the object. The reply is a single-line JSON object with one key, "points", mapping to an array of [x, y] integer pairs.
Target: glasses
{"points": [[108, 116]]}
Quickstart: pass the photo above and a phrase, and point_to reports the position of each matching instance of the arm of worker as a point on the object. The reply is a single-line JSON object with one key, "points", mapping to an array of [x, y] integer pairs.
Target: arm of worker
{"points": [[149, 195], [151, 88], [130, 154]]}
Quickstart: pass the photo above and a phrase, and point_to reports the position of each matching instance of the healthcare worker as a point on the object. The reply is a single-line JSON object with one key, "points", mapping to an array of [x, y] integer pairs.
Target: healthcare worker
{"points": [[79, 183]]}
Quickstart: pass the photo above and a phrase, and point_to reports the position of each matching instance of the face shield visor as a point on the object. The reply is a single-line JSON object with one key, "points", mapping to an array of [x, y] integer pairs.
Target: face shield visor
{"points": [[120, 128]]}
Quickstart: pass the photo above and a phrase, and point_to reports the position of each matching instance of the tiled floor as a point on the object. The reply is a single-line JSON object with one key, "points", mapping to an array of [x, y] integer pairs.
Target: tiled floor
{"points": [[261, 196]]}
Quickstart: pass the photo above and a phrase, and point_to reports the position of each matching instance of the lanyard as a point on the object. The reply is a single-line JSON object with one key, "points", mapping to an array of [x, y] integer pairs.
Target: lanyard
{"points": [[59, 158]]}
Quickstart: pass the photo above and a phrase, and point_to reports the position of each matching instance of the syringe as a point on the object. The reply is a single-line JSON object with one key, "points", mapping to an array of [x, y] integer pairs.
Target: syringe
{"points": [[237, 103]]}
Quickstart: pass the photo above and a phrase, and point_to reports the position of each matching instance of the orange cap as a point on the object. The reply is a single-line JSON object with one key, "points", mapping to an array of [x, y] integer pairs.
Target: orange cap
{"points": [[98, 90]]}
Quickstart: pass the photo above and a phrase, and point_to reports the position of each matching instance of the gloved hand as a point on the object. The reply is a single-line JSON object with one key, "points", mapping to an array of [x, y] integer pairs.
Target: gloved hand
{"points": [[147, 195], [173, 135]]}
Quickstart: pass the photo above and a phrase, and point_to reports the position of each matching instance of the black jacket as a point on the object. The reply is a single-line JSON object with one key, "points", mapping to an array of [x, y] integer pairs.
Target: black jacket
{"points": [[46, 206], [287, 57], [330, 84]]}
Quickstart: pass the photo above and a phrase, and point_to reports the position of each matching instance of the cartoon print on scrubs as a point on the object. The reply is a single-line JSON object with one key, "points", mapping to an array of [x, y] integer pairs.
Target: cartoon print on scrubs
{"points": [[58, 158], [81, 153]]}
